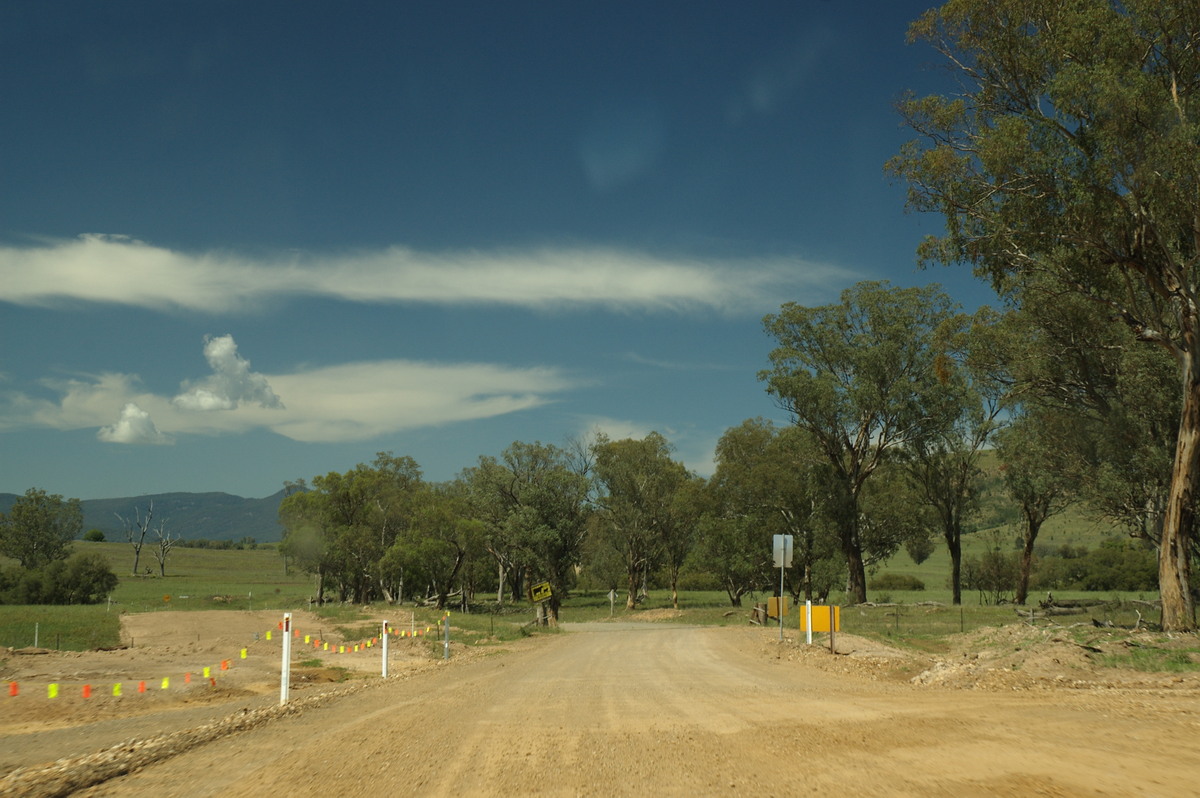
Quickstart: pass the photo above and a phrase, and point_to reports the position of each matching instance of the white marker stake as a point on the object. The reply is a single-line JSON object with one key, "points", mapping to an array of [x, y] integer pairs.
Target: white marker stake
{"points": [[385, 648], [285, 671], [808, 621]]}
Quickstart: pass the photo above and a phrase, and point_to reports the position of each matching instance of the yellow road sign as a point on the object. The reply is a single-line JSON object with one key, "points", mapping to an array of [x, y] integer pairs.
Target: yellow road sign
{"points": [[541, 591], [823, 617]]}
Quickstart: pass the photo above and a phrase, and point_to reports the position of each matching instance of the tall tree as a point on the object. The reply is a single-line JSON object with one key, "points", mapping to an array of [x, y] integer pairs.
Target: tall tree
{"points": [[435, 547], [39, 528], [308, 533], [769, 481], [534, 505], [963, 415], [1069, 160], [858, 375], [1031, 454], [639, 484]]}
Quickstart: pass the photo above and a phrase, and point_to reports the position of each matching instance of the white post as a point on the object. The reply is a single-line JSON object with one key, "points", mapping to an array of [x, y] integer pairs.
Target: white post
{"points": [[385, 649], [446, 644], [808, 621], [779, 608], [285, 671]]}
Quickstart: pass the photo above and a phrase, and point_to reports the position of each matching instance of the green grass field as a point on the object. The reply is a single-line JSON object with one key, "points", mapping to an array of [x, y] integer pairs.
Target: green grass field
{"points": [[208, 579]]}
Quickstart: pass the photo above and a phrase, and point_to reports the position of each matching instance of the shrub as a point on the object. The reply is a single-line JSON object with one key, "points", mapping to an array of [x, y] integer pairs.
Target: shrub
{"points": [[896, 582], [94, 536], [80, 579]]}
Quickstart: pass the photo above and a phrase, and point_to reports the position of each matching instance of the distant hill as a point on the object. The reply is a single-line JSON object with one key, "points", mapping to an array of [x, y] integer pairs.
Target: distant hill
{"points": [[194, 516]]}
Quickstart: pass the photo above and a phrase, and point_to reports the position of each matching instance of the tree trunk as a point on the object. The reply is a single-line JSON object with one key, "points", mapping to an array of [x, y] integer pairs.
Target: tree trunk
{"points": [[954, 543], [1174, 564], [1032, 528], [856, 579], [856, 584]]}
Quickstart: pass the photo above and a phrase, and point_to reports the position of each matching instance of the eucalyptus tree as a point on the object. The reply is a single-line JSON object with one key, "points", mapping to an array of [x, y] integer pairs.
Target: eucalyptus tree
{"points": [[769, 481], [39, 527], [534, 505], [639, 486], [340, 529], [858, 376], [437, 543], [1121, 410], [1036, 477], [964, 413], [1067, 159], [308, 532]]}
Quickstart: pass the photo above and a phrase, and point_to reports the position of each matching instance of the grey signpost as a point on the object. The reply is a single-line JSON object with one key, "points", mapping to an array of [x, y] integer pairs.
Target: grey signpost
{"points": [[783, 559]]}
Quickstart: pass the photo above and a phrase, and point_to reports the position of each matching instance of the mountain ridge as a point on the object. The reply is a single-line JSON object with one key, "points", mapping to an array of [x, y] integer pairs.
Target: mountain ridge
{"points": [[192, 516]]}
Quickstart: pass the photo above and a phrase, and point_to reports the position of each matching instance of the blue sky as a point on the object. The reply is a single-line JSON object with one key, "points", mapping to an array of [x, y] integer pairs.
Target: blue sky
{"points": [[243, 242]]}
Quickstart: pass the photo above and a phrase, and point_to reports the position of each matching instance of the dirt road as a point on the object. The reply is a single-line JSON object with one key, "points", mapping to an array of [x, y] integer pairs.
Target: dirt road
{"points": [[652, 709]]}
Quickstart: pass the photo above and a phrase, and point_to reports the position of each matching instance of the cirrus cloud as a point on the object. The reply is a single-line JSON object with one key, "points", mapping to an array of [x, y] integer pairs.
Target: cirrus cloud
{"points": [[123, 270]]}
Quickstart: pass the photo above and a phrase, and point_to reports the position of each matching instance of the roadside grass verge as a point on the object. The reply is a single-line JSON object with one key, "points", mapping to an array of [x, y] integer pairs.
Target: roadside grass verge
{"points": [[1154, 659], [66, 628]]}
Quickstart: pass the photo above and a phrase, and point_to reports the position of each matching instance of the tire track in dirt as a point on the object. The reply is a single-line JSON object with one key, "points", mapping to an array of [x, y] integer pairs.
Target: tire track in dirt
{"points": [[674, 710]]}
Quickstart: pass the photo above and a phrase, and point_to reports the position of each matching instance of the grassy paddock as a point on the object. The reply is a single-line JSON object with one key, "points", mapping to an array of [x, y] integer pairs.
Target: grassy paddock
{"points": [[69, 628], [206, 579]]}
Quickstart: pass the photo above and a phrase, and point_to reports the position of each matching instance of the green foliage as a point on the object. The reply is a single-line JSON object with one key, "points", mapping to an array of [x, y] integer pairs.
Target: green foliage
{"points": [[83, 578], [993, 574], [533, 507], [859, 376], [1117, 565], [894, 581], [39, 527], [94, 536], [642, 513], [1067, 167], [919, 547]]}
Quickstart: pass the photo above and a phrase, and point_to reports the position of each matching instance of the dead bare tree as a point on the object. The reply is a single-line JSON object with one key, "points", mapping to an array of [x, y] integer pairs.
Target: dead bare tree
{"points": [[135, 531], [164, 542]]}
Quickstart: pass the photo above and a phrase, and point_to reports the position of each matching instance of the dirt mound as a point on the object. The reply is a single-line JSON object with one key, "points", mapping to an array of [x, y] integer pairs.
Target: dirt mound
{"points": [[1019, 656]]}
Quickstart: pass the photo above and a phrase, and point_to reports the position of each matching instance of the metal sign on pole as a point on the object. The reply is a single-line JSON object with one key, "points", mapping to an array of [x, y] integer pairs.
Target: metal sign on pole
{"points": [[783, 559], [285, 671]]}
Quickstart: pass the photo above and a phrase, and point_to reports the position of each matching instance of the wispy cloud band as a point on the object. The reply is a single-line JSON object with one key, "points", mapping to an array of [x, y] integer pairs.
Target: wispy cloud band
{"points": [[346, 402], [122, 270]]}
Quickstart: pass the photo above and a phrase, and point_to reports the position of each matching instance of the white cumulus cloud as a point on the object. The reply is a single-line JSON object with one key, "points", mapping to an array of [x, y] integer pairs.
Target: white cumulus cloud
{"points": [[231, 383], [134, 426]]}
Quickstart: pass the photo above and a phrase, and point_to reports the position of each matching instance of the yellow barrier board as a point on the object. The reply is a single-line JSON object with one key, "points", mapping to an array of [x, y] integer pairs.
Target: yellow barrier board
{"points": [[773, 606], [820, 618]]}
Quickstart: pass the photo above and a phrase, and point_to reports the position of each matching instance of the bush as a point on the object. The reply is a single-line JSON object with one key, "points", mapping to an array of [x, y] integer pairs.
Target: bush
{"points": [[94, 536], [80, 579], [896, 582], [1116, 565]]}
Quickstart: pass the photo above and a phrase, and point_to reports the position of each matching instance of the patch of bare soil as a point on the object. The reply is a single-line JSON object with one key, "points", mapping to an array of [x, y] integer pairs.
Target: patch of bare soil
{"points": [[160, 674], [614, 709]]}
